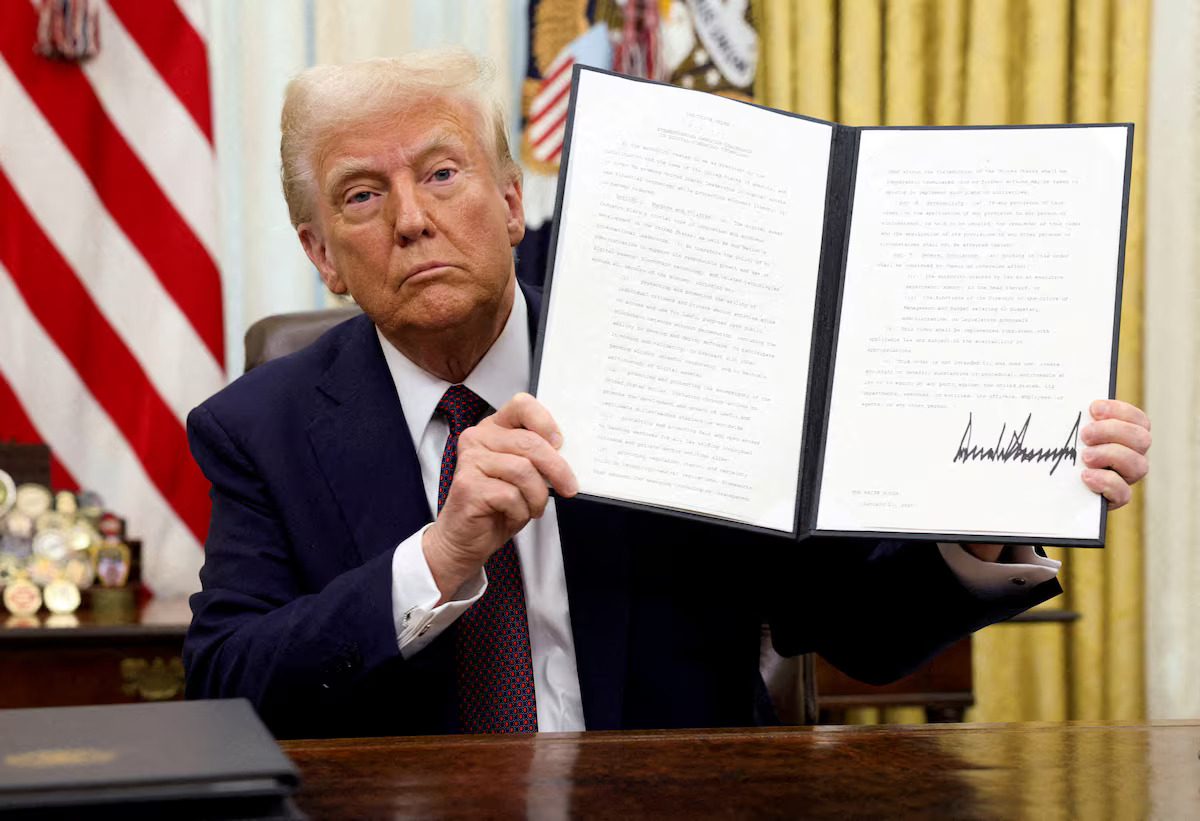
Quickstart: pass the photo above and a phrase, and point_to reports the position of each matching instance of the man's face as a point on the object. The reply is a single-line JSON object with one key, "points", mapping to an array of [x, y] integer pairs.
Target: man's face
{"points": [[411, 220]]}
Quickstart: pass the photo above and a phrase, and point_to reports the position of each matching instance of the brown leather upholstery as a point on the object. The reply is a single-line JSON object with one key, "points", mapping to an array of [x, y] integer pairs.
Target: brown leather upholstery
{"points": [[791, 683], [275, 336]]}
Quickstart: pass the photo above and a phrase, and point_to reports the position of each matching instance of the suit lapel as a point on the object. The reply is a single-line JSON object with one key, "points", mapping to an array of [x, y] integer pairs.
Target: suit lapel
{"points": [[362, 443]]}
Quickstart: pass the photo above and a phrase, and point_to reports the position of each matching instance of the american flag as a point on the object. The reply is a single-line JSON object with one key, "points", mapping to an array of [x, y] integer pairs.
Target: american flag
{"points": [[110, 297], [548, 111]]}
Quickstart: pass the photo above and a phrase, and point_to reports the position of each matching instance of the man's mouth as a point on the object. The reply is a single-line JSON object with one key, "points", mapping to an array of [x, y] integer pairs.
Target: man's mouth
{"points": [[424, 268]]}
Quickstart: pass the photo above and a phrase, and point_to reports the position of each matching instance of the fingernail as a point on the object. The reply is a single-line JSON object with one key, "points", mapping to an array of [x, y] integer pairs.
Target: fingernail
{"points": [[1088, 455], [556, 440], [1100, 409]]}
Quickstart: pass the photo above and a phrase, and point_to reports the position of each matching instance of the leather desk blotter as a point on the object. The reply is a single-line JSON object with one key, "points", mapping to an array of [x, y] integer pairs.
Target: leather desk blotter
{"points": [[188, 759]]}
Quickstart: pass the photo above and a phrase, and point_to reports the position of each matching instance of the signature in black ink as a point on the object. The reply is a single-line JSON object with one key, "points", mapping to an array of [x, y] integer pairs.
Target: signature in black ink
{"points": [[1015, 450]]}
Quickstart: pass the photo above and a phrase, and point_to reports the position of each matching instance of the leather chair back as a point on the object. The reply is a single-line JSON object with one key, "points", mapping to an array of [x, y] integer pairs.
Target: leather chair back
{"points": [[275, 336]]}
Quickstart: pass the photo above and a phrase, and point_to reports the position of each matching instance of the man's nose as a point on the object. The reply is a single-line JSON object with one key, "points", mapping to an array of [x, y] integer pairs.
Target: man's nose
{"points": [[409, 217]]}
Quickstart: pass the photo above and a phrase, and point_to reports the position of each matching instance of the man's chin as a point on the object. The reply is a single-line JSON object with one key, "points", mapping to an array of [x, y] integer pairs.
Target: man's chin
{"points": [[435, 309]]}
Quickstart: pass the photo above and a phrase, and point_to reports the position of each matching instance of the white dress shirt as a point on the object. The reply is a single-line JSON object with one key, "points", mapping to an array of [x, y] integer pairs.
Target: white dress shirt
{"points": [[503, 372]]}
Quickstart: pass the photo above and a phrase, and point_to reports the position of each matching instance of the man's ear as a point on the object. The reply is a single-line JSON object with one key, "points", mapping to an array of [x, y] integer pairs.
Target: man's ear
{"points": [[516, 212], [318, 254]]}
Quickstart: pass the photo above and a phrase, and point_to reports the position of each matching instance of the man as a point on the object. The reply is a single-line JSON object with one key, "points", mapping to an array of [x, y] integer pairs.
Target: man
{"points": [[382, 561]]}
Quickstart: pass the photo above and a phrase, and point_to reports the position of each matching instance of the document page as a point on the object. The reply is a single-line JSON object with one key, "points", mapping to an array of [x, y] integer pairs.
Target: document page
{"points": [[977, 325], [675, 357]]}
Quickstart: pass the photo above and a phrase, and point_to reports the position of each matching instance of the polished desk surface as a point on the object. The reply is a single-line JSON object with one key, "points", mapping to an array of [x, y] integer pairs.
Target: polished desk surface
{"points": [[960, 771]]}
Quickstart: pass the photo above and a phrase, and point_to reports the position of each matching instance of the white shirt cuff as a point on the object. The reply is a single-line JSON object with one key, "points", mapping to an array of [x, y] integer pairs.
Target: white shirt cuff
{"points": [[417, 616], [1023, 569]]}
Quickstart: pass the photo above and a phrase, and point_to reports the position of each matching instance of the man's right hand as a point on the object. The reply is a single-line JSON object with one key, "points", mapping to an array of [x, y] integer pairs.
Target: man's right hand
{"points": [[504, 464]]}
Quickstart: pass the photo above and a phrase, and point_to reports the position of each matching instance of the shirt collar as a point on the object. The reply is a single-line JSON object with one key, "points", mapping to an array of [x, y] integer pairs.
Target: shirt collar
{"points": [[503, 372]]}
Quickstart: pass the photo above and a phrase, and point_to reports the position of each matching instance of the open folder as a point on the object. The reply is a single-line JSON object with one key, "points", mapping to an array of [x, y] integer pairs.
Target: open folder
{"points": [[806, 328], [177, 760]]}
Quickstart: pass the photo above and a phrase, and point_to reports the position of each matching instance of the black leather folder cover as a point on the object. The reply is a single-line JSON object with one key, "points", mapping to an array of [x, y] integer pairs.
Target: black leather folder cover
{"points": [[186, 759]]}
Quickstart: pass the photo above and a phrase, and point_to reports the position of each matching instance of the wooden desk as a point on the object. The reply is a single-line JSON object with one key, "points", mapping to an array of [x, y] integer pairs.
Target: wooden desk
{"points": [[107, 658], [961, 771]]}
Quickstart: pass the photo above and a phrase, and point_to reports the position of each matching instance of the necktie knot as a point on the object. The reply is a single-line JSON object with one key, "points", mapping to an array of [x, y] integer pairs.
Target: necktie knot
{"points": [[461, 408]]}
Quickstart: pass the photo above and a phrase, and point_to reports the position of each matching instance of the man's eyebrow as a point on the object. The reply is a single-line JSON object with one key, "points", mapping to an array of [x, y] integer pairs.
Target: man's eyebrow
{"points": [[348, 169], [352, 167]]}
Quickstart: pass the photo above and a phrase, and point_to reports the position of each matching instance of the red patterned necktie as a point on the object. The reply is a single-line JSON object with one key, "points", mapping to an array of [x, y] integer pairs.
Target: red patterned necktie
{"points": [[495, 668]]}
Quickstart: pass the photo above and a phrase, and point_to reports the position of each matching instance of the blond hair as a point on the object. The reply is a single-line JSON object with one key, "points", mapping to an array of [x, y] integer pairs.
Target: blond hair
{"points": [[324, 100]]}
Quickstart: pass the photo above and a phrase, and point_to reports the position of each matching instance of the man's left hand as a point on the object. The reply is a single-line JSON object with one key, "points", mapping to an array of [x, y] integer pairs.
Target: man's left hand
{"points": [[1114, 458]]}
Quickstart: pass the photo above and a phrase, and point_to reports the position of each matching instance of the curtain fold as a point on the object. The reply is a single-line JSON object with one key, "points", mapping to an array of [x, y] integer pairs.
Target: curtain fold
{"points": [[976, 62]]}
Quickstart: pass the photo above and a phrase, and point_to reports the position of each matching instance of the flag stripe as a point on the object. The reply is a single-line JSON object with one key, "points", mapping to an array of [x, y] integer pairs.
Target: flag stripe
{"points": [[547, 94], [79, 431], [129, 193], [194, 11], [558, 129], [547, 123], [18, 428], [560, 96], [110, 372], [176, 50], [71, 215], [561, 63], [156, 126]]}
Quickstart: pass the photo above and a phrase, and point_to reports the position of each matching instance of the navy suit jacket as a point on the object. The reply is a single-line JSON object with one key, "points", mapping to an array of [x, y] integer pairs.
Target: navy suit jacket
{"points": [[315, 482]]}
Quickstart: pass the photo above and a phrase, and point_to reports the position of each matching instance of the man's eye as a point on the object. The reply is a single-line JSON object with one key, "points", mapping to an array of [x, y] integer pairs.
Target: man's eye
{"points": [[443, 174], [360, 196]]}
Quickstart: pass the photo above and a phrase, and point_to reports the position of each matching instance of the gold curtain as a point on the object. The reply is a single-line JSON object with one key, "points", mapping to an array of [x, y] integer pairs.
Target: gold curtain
{"points": [[976, 62]]}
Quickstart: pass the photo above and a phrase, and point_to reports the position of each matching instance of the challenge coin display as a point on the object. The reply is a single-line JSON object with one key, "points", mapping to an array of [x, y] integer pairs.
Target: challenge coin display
{"points": [[52, 545]]}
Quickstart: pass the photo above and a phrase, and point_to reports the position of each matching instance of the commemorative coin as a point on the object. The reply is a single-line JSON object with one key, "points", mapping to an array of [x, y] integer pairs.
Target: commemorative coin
{"points": [[52, 520], [19, 525], [82, 535], [66, 503], [8, 493], [42, 571], [33, 500], [22, 598], [51, 544], [10, 566], [80, 571], [61, 597]]}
